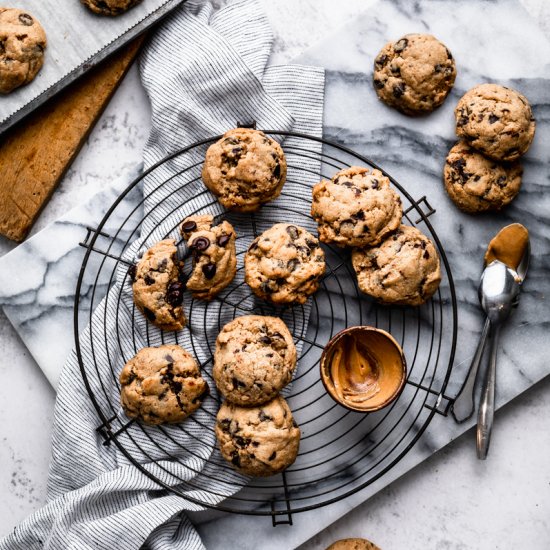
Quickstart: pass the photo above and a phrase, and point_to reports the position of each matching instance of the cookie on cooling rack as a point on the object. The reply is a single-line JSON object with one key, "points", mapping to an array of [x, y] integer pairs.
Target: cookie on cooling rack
{"points": [[403, 269], [357, 207], [214, 255], [495, 120], [476, 183], [258, 441], [284, 264], [110, 7], [244, 169], [414, 74], [254, 360], [161, 385], [22, 44], [353, 544], [158, 291]]}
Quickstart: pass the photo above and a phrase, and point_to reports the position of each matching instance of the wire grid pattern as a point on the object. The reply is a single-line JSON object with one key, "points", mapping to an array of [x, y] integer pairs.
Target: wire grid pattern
{"points": [[340, 451]]}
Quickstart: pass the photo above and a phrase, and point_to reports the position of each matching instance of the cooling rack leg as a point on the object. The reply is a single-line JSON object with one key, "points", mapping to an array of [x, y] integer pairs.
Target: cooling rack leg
{"points": [[276, 515]]}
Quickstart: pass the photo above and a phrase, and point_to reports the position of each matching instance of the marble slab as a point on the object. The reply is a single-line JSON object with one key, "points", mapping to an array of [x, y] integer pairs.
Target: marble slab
{"points": [[413, 151]]}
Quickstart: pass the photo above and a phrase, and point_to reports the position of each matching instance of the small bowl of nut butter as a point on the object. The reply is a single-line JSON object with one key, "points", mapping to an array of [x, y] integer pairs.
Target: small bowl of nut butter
{"points": [[363, 368]]}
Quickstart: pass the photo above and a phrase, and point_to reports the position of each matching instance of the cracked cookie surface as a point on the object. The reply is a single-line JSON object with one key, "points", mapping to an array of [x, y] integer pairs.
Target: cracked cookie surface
{"points": [[284, 264], [214, 255], [414, 74], [244, 169], [258, 441], [476, 183], [404, 269], [161, 385], [254, 360], [110, 7], [158, 291], [22, 45], [495, 120], [357, 207]]}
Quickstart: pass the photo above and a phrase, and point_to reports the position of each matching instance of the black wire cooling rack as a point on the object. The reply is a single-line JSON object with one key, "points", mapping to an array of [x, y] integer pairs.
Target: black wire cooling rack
{"points": [[341, 451]]}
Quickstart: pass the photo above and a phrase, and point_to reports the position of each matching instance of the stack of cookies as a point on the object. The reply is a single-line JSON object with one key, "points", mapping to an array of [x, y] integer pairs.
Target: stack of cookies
{"points": [[496, 127], [394, 263]]}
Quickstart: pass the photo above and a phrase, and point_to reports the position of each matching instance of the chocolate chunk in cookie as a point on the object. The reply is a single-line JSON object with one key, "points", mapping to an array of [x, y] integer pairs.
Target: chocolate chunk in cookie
{"points": [[357, 207], [161, 385], [254, 360], [495, 120], [403, 269], [158, 290], [258, 441], [22, 45], [476, 183], [110, 7], [214, 255], [414, 74], [284, 264], [244, 169]]}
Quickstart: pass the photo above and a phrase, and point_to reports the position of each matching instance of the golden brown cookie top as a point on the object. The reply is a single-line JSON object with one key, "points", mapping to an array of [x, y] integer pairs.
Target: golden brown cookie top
{"points": [[353, 544], [403, 269], [476, 183], [495, 120], [414, 74], [357, 207], [244, 169], [110, 7]]}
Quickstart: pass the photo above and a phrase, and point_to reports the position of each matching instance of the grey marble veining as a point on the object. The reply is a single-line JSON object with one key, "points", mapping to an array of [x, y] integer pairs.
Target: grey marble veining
{"points": [[412, 151]]}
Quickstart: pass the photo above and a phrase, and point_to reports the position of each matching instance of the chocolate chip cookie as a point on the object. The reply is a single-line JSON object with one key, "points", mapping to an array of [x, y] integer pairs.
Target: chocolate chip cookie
{"points": [[254, 360], [158, 290], [244, 169], [357, 207], [353, 544], [414, 74], [403, 269], [161, 385], [284, 264], [495, 120], [22, 45], [258, 441], [214, 255], [476, 183], [110, 7]]}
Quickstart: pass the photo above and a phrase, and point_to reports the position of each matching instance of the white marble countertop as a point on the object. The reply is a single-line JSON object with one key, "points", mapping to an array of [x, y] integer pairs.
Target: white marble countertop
{"points": [[451, 501]]}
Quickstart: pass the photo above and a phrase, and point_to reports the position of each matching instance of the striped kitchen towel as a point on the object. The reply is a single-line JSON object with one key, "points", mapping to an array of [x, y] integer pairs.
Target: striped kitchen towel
{"points": [[204, 69]]}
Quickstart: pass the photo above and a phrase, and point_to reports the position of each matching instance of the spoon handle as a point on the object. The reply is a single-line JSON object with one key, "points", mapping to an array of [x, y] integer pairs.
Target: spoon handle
{"points": [[463, 405], [487, 404]]}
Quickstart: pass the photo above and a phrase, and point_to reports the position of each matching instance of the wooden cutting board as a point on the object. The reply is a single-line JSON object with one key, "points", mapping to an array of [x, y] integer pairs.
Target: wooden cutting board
{"points": [[35, 154]]}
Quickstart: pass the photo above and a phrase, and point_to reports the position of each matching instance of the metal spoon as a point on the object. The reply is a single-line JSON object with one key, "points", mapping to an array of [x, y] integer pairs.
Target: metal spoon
{"points": [[497, 305], [463, 406]]}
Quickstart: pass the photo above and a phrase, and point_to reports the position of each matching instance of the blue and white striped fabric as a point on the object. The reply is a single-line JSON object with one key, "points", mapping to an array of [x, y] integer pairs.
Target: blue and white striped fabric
{"points": [[204, 70]]}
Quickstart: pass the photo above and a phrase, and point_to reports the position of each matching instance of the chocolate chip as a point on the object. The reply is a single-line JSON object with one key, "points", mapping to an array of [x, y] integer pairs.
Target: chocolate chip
{"points": [[224, 424], [493, 118], [400, 45], [238, 383], [449, 55], [230, 141], [149, 280], [200, 243], [378, 84], [312, 244], [253, 246], [501, 181], [149, 314], [264, 417], [426, 254], [375, 183], [438, 68], [169, 358], [292, 230], [398, 90], [162, 265], [174, 294], [223, 240], [511, 151], [203, 394], [293, 264], [277, 171], [235, 459], [272, 456], [25, 19], [304, 250], [265, 340], [266, 288], [189, 226], [132, 272], [381, 60], [359, 215], [396, 71], [209, 270]]}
